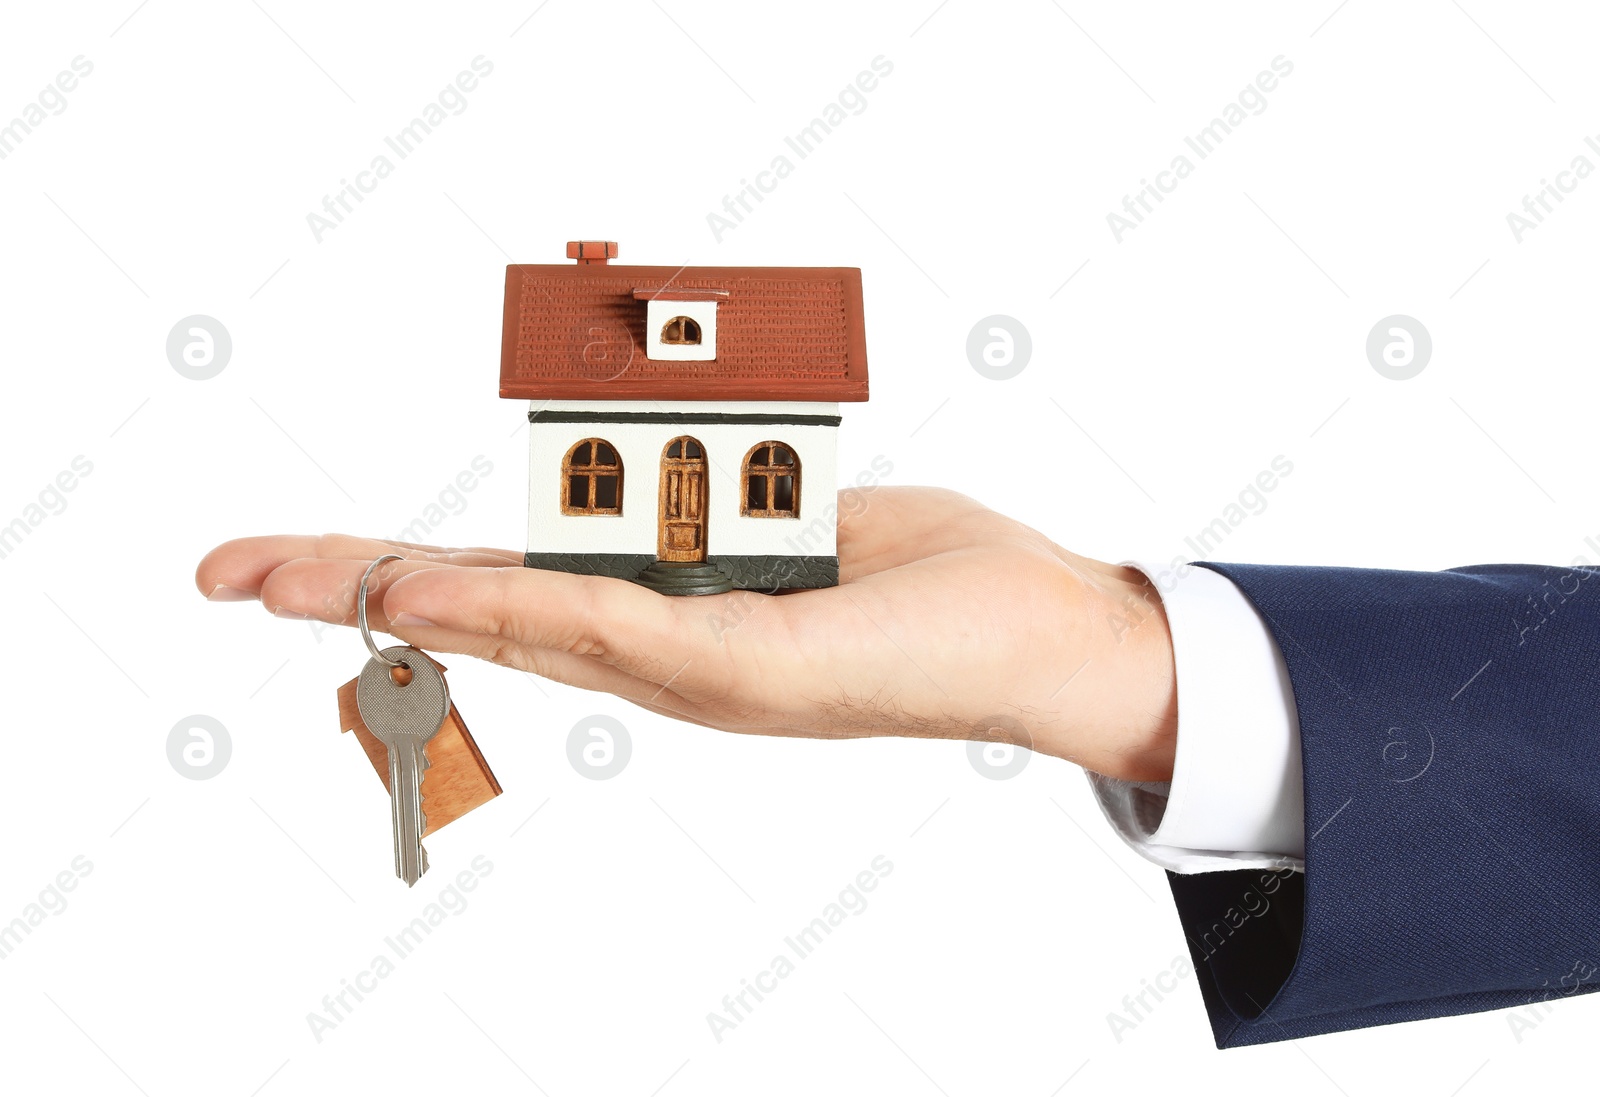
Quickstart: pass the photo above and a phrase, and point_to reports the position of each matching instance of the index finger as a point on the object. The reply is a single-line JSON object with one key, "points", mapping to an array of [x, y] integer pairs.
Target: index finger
{"points": [[654, 637], [236, 570]]}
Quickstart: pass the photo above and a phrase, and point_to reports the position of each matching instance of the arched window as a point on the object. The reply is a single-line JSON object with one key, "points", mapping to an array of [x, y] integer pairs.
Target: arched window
{"points": [[685, 449], [771, 482], [681, 331], [591, 479]]}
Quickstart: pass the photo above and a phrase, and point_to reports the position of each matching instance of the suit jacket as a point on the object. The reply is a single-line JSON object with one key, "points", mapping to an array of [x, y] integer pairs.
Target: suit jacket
{"points": [[1450, 734]]}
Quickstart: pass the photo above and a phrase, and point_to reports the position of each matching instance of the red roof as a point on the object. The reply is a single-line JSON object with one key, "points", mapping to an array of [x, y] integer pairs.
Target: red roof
{"points": [[577, 332]]}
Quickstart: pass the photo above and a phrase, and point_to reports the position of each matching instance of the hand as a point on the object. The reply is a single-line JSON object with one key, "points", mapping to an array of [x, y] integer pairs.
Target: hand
{"points": [[947, 616]]}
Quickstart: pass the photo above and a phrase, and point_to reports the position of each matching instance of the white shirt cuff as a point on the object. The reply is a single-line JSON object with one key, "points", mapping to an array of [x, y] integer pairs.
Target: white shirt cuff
{"points": [[1236, 799]]}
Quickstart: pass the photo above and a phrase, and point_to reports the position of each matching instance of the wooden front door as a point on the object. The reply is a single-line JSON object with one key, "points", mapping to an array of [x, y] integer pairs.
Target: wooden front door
{"points": [[681, 536]]}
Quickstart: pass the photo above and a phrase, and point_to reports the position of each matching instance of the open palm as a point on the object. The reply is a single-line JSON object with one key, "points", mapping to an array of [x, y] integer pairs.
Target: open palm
{"points": [[950, 621]]}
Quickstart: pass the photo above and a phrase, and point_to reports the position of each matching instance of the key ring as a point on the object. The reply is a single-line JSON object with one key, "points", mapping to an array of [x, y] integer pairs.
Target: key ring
{"points": [[361, 612]]}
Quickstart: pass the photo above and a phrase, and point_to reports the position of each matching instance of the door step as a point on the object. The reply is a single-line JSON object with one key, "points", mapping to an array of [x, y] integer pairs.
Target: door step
{"points": [[682, 579]]}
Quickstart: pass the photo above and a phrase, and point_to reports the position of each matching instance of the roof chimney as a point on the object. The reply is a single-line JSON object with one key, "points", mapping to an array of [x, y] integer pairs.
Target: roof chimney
{"points": [[592, 251]]}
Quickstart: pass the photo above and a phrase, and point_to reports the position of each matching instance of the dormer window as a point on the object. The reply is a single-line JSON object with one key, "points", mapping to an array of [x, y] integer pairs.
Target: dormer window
{"points": [[680, 325], [681, 331]]}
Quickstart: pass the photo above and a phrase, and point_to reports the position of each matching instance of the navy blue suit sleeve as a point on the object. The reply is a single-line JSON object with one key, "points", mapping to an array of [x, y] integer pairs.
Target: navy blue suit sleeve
{"points": [[1450, 735]]}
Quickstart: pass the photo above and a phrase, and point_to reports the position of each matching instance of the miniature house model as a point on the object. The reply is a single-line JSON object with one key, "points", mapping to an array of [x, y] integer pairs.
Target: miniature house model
{"points": [[682, 420]]}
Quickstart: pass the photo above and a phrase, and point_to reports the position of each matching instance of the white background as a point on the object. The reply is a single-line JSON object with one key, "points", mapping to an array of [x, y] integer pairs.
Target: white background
{"points": [[1227, 329]]}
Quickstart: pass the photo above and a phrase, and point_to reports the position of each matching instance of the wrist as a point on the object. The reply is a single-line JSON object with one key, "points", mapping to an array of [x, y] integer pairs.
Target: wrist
{"points": [[1122, 706], [1148, 736]]}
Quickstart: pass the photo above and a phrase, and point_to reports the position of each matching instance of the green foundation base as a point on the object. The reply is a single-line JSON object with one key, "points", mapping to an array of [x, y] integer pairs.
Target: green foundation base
{"points": [[668, 578]]}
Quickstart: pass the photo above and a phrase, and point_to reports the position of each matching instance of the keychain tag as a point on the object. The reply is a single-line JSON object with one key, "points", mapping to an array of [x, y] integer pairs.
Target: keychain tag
{"points": [[402, 714], [457, 779]]}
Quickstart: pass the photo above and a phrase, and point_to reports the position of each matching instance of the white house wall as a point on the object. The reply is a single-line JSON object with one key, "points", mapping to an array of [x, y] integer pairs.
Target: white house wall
{"points": [[640, 445]]}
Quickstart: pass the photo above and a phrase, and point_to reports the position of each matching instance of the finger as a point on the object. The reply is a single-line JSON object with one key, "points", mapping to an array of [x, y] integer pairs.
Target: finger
{"points": [[581, 671], [648, 635], [325, 590], [305, 588], [885, 527], [687, 719], [238, 568], [889, 527]]}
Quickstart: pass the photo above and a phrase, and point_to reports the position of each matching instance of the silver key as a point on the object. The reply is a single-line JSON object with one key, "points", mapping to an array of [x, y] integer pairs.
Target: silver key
{"points": [[404, 718]]}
